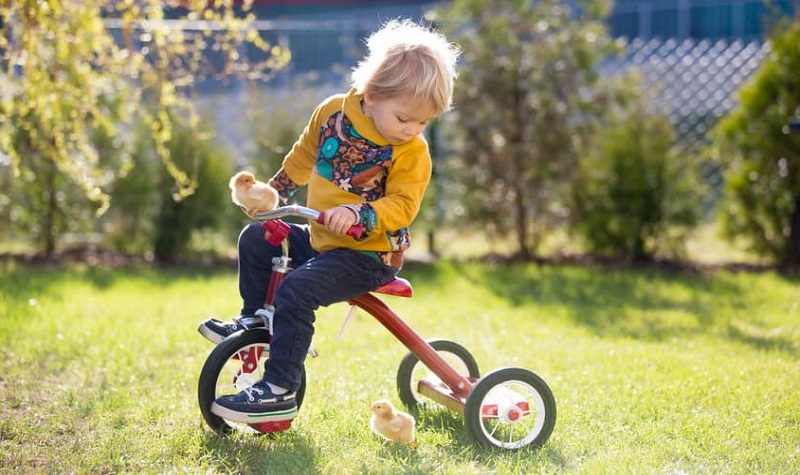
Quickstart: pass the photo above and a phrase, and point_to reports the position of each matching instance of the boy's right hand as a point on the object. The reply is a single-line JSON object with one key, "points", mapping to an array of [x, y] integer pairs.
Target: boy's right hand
{"points": [[340, 219]]}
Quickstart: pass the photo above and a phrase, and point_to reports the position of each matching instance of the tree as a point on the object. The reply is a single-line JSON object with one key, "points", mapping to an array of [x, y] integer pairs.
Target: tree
{"points": [[525, 103], [761, 159], [67, 79]]}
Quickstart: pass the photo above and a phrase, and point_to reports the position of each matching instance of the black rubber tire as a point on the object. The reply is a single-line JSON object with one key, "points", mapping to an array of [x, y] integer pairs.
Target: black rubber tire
{"points": [[221, 355], [406, 386], [522, 430]]}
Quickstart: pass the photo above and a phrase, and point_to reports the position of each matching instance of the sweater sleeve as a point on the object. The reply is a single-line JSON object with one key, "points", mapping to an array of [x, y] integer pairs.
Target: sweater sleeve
{"points": [[405, 188]]}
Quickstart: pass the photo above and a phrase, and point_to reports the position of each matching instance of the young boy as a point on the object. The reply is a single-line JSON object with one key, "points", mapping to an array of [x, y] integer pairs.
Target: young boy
{"points": [[365, 162]]}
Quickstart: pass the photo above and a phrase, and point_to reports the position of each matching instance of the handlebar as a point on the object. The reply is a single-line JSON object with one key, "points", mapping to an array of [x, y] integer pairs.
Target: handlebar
{"points": [[297, 211]]}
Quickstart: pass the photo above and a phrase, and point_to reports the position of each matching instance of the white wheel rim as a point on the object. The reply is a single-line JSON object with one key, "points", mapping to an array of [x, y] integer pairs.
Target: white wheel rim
{"points": [[510, 422]]}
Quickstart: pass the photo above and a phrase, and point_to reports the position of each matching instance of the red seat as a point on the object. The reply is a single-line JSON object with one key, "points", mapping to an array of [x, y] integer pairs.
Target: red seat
{"points": [[398, 286]]}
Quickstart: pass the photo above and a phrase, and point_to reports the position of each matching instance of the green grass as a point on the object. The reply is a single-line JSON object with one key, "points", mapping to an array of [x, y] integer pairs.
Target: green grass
{"points": [[652, 373]]}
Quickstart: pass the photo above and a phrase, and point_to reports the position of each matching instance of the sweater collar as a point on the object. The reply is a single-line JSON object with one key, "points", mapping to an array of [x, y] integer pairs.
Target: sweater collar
{"points": [[366, 128]]}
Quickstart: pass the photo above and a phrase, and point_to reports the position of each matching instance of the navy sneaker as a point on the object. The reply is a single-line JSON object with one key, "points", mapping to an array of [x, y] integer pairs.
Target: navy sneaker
{"points": [[256, 404], [217, 330]]}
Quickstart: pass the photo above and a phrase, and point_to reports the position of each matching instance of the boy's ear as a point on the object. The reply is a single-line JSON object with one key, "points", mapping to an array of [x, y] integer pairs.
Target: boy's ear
{"points": [[367, 98]]}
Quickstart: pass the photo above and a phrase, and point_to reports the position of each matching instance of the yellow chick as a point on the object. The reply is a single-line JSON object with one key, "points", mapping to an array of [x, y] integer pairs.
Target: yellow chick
{"points": [[252, 195], [392, 424]]}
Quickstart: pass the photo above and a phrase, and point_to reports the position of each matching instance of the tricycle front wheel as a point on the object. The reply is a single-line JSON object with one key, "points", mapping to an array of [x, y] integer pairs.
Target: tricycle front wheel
{"points": [[234, 364], [510, 408]]}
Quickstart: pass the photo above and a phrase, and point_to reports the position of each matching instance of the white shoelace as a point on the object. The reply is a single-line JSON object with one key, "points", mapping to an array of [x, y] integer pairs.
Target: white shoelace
{"points": [[252, 389]]}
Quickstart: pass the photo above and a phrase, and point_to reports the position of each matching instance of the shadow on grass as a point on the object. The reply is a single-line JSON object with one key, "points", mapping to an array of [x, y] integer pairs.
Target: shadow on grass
{"points": [[434, 420], [606, 301], [769, 339], [290, 452], [286, 452], [21, 283], [645, 303]]}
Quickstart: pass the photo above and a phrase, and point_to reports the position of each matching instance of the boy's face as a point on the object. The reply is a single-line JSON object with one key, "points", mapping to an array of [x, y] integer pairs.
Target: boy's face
{"points": [[399, 119]]}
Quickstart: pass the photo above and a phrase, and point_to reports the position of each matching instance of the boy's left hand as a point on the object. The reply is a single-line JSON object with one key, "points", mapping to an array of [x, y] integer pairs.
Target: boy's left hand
{"points": [[338, 220]]}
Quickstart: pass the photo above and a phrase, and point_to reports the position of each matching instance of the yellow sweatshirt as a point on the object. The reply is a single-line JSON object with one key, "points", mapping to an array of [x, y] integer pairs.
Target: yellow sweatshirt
{"points": [[344, 160]]}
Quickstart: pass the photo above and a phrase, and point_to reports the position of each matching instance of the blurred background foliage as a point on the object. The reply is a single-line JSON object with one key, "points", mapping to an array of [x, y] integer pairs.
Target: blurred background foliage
{"points": [[761, 157], [634, 195], [528, 100], [73, 94], [103, 141]]}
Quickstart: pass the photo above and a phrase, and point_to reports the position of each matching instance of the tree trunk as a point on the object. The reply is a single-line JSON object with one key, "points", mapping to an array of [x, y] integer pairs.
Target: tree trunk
{"points": [[793, 248], [516, 140], [520, 206], [48, 232], [521, 223]]}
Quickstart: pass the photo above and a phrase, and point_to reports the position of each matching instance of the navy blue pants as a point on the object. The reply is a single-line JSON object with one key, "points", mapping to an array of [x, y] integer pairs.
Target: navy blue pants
{"points": [[318, 279]]}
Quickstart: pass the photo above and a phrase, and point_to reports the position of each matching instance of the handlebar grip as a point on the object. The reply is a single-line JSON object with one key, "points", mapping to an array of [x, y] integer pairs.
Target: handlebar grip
{"points": [[355, 231], [275, 231]]}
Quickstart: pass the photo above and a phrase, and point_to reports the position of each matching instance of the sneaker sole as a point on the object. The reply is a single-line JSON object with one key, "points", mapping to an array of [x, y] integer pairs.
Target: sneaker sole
{"points": [[209, 335], [253, 418]]}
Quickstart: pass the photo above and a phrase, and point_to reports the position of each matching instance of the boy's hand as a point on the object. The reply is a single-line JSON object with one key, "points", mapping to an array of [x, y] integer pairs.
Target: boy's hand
{"points": [[338, 220]]}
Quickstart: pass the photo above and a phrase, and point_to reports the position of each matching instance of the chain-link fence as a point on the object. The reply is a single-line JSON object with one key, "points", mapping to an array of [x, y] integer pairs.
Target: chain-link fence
{"points": [[695, 83], [695, 80]]}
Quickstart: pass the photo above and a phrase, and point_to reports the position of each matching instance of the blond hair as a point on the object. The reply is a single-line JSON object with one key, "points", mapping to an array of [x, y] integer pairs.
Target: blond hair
{"points": [[404, 58]]}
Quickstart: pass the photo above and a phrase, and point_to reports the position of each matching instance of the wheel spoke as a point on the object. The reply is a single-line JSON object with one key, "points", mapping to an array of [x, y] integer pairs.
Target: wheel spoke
{"points": [[496, 425], [524, 425]]}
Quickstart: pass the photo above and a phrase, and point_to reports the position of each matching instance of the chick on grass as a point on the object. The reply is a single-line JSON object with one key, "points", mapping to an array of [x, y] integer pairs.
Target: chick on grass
{"points": [[391, 424], [252, 195]]}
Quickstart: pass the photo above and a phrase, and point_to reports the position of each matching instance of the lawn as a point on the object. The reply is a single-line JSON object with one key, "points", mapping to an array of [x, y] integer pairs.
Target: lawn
{"points": [[653, 372]]}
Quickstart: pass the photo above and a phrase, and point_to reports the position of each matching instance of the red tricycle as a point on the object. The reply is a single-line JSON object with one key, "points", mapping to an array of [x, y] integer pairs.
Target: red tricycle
{"points": [[510, 408]]}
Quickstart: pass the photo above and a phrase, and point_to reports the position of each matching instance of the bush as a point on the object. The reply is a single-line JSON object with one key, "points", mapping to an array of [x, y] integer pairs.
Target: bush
{"points": [[148, 214], [761, 162], [179, 217], [634, 196]]}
